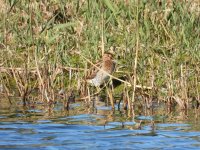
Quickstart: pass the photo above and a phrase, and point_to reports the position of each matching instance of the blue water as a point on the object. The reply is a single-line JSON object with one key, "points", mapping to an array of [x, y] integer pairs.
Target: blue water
{"points": [[86, 129]]}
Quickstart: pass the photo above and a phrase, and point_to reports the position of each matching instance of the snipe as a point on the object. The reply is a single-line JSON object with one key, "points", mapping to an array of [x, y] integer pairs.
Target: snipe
{"points": [[100, 75]]}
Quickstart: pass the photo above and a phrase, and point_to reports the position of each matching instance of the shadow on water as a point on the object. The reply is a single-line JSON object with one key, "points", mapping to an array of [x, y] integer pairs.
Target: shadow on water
{"points": [[83, 127]]}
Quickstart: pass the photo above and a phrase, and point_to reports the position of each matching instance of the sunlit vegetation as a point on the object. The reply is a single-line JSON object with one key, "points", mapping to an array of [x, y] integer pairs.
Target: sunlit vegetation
{"points": [[45, 47]]}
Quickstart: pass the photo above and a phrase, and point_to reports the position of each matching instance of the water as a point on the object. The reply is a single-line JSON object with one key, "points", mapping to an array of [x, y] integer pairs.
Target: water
{"points": [[101, 128]]}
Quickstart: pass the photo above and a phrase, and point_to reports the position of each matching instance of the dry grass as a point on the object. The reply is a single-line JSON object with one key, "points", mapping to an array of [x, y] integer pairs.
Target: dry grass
{"points": [[47, 46]]}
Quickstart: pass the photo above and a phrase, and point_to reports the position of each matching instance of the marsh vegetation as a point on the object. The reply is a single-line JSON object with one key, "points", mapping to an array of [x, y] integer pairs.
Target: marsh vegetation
{"points": [[47, 46]]}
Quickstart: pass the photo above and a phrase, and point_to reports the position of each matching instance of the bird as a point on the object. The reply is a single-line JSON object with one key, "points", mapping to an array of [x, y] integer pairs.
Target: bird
{"points": [[102, 70]]}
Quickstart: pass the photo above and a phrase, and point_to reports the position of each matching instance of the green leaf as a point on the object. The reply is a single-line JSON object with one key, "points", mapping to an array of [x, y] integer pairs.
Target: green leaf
{"points": [[109, 4], [64, 25]]}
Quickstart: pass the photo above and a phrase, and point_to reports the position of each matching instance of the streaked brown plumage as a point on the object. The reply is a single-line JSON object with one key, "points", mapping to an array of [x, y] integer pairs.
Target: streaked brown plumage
{"points": [[99, 76]]}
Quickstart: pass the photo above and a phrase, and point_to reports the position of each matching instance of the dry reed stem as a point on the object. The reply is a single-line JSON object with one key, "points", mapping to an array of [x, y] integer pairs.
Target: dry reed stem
{"points": [[34, 69], [41, 83], [136, 59], [166, 32], [111, 76], [110, 96], [89, 95], [128, 99], [182, 104], [7, 92], [19, 86], [102, 35]]}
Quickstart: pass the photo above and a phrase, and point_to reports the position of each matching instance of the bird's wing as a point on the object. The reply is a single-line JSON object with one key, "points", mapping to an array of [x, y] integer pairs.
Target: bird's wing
{"points": [[93, 70]]}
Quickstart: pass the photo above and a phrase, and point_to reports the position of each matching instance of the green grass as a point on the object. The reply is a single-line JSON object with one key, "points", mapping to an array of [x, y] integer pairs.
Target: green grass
{"points": [[169, 37]]}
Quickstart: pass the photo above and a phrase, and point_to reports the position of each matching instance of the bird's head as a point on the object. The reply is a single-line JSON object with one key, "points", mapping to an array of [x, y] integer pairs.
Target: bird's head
{"points": [[107, 56]]}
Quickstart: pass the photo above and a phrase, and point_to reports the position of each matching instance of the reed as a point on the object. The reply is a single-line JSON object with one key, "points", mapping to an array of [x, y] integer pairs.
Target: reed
{"points": [[45, 46]]}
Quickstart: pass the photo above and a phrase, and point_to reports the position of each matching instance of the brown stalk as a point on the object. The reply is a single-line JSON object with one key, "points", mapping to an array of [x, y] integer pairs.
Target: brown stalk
{"points": [[170, 90], [197, 90], [110, 96], [102, 34], [183, 86], [90, 95], [128, 100], [18, 84], [40, 80], [113, 77], [34, 69], [135, 62], [181, 102], [166, 32], [7, 93]]}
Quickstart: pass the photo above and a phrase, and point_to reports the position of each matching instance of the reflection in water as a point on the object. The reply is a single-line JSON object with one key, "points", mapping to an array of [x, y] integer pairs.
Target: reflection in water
{"points": [[83, 127]]}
